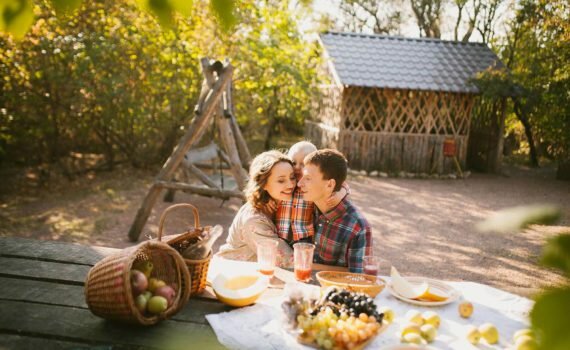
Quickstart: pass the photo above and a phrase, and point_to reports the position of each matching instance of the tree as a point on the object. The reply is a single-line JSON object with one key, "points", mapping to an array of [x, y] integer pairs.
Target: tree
{"points": [[380, 16], [428, 17]]}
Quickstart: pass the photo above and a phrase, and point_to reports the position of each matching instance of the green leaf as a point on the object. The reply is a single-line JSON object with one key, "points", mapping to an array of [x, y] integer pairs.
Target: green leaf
{"points": [[556, 253], [517, 218], [162, 9], [550, 318], [224, 10], [64, 7], [16, 17]]}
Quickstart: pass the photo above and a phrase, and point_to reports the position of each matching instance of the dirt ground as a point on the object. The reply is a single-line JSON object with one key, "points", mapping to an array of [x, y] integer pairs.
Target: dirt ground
{"points": [[423, 227]]}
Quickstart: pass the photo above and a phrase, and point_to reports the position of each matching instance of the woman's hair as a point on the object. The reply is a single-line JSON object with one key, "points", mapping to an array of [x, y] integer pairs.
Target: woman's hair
{"points": [[259, 172]]}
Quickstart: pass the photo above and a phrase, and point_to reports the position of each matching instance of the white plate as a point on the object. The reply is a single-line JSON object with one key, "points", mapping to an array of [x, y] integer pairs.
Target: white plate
{"points": [[438, 287]]}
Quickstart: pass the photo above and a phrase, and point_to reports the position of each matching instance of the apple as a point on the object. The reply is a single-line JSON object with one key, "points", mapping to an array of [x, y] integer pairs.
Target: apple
{"points": [[167, 292], [465, 309], [147, 295], [489, 332], [157, 304], [431, 317], [139, 282]]}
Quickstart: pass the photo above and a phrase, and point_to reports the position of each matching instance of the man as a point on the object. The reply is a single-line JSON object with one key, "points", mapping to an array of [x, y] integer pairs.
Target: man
{"points": [[342, 235]]}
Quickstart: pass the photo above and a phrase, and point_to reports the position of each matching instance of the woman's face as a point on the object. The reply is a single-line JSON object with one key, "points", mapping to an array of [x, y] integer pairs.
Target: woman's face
{"points": [[281, 181]]}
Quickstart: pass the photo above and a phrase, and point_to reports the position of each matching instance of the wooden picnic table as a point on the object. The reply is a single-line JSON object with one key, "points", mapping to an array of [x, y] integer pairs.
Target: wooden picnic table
{"points": [[43, 305]]}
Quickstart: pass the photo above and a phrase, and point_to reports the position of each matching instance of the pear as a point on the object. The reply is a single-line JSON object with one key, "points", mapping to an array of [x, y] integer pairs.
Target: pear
{"points": [[410, 328], [473, 335], [525, 342], [415, 316], [489, 332], [522, 332], [428, 332], [154, 284], [388, 314], [413, 338], [431, 317]]}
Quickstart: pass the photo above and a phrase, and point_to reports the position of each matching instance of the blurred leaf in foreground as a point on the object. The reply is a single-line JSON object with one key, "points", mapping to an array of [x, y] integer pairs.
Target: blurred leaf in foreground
{"points": [[517, 218], [16, 17], [550, 319], [556, 253]]}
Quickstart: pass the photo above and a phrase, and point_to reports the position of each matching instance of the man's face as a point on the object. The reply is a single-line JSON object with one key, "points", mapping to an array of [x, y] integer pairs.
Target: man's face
{"points": [[313, 186]]}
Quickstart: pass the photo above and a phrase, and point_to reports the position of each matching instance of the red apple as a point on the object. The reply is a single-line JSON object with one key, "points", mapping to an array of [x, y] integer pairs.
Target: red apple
{"points": [[167, 292], [139, 282]]}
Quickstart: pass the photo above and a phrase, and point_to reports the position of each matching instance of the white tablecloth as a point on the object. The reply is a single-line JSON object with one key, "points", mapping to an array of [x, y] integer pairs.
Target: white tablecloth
{"points": [[261, 326]]}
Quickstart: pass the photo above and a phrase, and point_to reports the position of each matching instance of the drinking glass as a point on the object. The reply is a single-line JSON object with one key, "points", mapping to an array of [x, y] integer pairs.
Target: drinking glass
{"points": [[266, 256], [371, 265], [303, 256]]}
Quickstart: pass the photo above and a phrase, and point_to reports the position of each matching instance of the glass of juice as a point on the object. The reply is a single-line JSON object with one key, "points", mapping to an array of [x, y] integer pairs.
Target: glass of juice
{"points": [[267, 256], [371, 265], [303, 256]]}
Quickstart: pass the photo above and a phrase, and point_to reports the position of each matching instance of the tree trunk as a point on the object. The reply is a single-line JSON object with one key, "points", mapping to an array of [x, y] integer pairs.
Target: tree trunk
{"points": [[522, 116]]}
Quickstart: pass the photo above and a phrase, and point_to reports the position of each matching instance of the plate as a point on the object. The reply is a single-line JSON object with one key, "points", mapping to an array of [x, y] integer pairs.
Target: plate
{"points": [[438, 287]]}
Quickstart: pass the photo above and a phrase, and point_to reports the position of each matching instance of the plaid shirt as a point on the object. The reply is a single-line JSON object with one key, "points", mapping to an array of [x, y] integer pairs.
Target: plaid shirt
{"points": [[294, 218], [343, 237]]}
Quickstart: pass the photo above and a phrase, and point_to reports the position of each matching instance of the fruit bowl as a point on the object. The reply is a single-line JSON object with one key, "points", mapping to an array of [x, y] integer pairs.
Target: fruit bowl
{"points": [[354, 282]]}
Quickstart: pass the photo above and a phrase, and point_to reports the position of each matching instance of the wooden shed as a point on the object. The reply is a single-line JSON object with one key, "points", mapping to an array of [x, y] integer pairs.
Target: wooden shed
{"points": [[393, 102]]}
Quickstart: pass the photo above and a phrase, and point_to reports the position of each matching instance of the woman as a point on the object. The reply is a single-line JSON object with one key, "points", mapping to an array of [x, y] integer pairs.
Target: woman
{"points": [[271, 179]]}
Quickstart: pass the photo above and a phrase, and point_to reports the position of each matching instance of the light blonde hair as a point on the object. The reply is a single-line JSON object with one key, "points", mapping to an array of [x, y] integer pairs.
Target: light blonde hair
{"points": [[259, 172], [302, 146]]}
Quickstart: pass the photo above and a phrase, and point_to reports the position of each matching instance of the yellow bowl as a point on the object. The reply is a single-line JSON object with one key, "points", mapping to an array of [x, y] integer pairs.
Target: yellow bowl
{"points": [[354, 282]]}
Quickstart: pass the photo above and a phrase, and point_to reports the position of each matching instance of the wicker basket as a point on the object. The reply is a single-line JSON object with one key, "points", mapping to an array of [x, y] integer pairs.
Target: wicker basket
{"points": [[108, 290], [198, 268]]}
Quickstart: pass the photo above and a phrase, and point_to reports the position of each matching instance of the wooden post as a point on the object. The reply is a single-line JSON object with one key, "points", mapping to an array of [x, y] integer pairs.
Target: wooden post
{"points": [[243, 150], [195, 130], [229, 143]]}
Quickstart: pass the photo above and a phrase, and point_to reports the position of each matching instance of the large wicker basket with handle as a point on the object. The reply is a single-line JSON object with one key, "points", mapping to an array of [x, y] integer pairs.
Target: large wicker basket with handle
{"points": [[108, 289], [198, 268]]}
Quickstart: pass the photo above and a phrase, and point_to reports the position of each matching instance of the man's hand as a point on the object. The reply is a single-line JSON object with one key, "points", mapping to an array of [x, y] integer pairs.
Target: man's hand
{"points": [[270, 208]]}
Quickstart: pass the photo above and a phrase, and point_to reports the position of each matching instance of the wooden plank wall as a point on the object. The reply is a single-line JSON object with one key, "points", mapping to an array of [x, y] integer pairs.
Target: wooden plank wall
{"points": [[321, 135], [392, 153]]}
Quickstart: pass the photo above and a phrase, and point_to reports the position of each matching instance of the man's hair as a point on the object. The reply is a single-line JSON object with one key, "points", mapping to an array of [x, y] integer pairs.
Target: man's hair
{"points": [[331, 163], [302, 146]]}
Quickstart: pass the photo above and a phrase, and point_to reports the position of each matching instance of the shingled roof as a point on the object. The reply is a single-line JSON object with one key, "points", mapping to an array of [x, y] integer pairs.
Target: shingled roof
{"points": [[406, 63]]}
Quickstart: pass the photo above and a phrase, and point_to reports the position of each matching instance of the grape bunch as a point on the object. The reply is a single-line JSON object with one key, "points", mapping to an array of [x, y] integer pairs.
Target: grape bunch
{"points": [[353, 304]]}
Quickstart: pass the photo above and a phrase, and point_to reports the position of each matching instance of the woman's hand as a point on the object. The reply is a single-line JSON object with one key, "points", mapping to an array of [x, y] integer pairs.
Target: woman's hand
{"points": [[336, 197]]}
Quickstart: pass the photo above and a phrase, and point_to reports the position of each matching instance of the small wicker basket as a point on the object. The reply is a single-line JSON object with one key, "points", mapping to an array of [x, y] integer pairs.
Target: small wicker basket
{"points": [[108, 291], [198, 268]]}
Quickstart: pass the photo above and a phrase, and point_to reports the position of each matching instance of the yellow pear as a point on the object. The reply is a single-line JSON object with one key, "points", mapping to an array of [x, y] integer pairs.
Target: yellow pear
{"points": [[522, 332], [489, 332], [415, 316], [428, 332], [410, 328], [525, 342], [413, 338], [473, 335], [431, 317], [388, 314], [154, 284]]}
